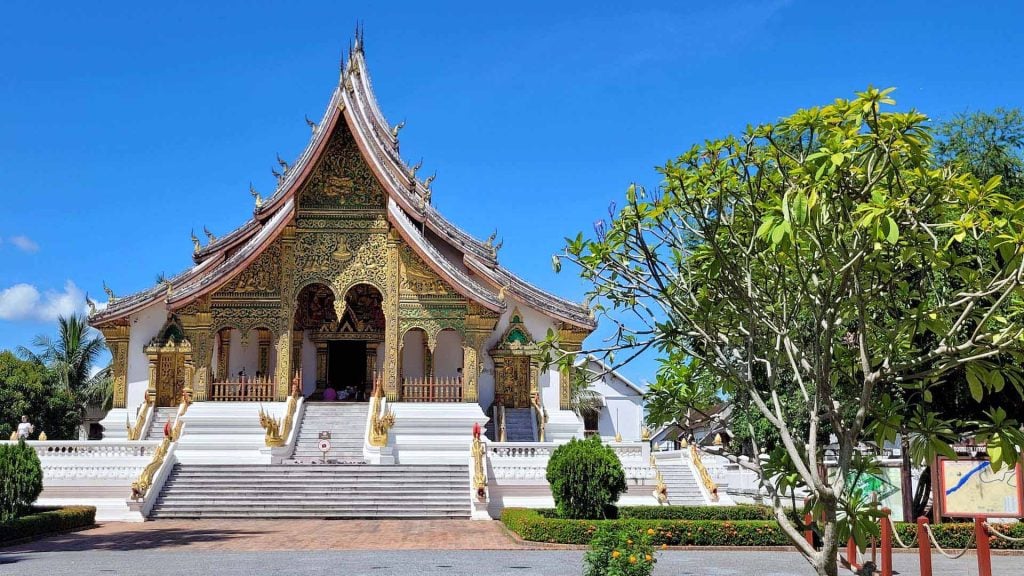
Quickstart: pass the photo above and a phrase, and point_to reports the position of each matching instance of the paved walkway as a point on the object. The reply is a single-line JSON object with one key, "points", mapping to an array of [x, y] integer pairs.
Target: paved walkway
{"points": [[267, 535], [381, 548]]}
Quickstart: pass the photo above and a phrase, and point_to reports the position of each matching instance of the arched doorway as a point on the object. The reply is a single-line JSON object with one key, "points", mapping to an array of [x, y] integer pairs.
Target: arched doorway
{"points": [[345, 338]]}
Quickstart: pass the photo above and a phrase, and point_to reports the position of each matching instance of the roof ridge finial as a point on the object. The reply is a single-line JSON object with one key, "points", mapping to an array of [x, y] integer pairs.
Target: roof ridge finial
{"points": [[196, 247], [358, 45], [312, 125], [282, 163], [92, 305], [429, 180], [398, 128], [415, 168], [110, 293], [209, 234], [256, 196]]}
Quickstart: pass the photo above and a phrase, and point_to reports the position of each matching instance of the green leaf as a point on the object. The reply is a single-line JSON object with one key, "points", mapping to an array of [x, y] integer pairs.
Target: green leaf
{"points": [[977, 391], [892, 235]]}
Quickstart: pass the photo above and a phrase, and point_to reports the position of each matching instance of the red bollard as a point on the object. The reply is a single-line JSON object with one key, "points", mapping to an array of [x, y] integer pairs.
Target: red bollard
{"points": [[851, 553], [808, 533], [984, 553], [924, 546], [886, 543]]}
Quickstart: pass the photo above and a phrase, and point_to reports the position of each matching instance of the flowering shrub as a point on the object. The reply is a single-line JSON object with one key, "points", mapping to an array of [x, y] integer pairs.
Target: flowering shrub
{"points": [[620, 552]]}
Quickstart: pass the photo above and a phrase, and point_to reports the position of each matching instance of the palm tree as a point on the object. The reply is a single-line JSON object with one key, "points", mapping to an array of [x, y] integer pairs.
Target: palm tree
{"points": [[583, 399], [71, 357]]}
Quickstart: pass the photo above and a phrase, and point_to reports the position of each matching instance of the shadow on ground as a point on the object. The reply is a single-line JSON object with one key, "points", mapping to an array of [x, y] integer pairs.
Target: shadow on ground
{"points": [[126, 540]]}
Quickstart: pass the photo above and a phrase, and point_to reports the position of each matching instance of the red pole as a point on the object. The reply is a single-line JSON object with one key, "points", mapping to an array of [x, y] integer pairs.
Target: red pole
{"points": [[924, 546], [808, 533], [984, 554], [851, 553], [886, 543]]}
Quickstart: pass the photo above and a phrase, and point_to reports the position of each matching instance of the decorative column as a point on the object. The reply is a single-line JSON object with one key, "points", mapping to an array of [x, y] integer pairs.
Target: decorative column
{"points": [[263, 358], [116, 336], [480, 324], [224, 355], [297, 336], [197, 321], [371, 363], [154, 365], [570, 340], [392, 342], [321, 367], [286, 316], [428, 358]]}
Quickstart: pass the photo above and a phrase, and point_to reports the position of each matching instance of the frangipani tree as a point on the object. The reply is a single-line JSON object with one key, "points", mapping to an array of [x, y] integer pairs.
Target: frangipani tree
{"points": [[828, 260]]}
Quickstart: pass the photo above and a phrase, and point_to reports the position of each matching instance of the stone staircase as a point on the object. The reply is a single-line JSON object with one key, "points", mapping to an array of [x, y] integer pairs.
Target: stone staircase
{"points": [[346, 421], [160, 417], [682, 486], [519, 425], [315, 491]]}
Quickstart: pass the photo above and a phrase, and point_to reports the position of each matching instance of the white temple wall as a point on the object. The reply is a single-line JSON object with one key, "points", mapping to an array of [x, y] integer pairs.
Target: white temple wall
{"points": [[448, 354], [412, 354], [623, 410], [145, 325]]}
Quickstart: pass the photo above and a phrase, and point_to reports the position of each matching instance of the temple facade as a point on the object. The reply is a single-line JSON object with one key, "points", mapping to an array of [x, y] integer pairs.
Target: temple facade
{"points": [[343, 279]]}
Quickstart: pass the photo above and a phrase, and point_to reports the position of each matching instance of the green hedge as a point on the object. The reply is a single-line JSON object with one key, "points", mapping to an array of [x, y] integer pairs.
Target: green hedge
{"points": [[532, 525], [45, 521], [739, 512]]}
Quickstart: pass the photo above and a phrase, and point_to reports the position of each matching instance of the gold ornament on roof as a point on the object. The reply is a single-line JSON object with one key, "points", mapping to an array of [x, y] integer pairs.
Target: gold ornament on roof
{"points": [[415, 168], [109, 292], [398, 128], [284, 165], [209, 235], [277, 175], [196, 247], [91, 304], [255, 195], [490, 239], [429, 180], [312, 125]]}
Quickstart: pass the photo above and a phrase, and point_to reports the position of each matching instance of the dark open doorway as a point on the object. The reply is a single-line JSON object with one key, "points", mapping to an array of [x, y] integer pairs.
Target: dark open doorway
{"points": [[346, 368]]}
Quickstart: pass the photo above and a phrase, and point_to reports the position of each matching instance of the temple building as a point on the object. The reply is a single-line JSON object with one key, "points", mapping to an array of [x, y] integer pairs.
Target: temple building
{"points": [[345, 278]]}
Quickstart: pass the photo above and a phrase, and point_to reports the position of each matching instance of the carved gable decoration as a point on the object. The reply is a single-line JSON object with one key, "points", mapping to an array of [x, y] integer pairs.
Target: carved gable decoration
{"points": [[262, 277], [517, 338], [170, 336], [418, 278], [342, 180]]}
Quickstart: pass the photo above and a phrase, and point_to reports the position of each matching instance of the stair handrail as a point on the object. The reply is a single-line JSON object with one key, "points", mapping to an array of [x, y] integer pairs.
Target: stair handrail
{"points": [[381, 417], [478, 451], [142, 485], [279, 431], [540, 415], [143, 419], [702, 472], [500, 413]]}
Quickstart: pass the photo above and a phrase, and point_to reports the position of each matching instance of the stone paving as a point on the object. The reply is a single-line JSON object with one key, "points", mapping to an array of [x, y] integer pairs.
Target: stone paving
{"points": [[381, 548], [267, 535]]}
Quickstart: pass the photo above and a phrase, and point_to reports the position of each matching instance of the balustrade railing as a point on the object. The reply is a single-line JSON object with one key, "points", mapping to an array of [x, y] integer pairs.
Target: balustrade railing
{"points": [[431, 389], [702, 471], [90, 449], [244, 390]]}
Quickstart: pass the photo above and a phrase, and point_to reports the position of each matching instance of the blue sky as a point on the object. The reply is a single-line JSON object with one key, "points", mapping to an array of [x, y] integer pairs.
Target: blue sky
{"points": [[124, 127]]}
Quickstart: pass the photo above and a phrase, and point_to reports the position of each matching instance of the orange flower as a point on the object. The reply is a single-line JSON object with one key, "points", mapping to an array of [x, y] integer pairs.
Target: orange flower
{"points": [[664, 546], [648, 557], [650, 531], [630, 541], [616, 553], [632, 559]]}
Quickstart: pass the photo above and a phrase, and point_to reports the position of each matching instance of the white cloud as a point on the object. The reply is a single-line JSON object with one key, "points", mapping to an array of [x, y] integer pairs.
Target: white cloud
{"points": [[25, 302], [25, 244]]}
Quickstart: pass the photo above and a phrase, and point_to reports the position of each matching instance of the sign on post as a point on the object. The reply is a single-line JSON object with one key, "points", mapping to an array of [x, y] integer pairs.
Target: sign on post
{"points": [[970, 488], [325, 447]]}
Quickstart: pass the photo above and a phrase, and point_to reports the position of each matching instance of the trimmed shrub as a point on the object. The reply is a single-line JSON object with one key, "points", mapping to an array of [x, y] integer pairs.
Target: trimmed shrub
{"points": [[21, 479], [619, 552], [531, 525], [48, 521], [586, 478], [739, 512]]}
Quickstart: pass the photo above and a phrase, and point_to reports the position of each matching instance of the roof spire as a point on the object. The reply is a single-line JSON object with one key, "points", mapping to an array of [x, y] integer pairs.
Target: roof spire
{"points": [[359, 37]]}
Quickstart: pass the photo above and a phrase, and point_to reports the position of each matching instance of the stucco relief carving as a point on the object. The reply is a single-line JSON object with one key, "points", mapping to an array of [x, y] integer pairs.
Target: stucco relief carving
{"points": [[417, 277], [342, 179], [261, 277]]}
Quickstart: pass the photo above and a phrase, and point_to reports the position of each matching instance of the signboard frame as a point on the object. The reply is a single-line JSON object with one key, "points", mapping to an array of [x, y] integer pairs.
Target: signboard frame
{"points": [[940, 482]]}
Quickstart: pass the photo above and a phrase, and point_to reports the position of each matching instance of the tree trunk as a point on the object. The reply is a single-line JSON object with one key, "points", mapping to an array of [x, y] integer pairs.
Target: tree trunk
{"points": [[906, 485]]}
